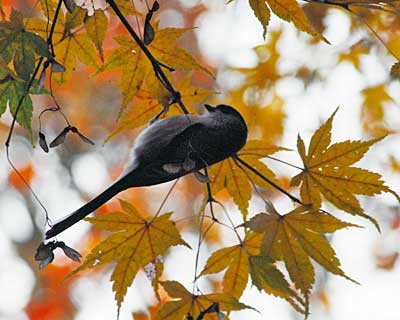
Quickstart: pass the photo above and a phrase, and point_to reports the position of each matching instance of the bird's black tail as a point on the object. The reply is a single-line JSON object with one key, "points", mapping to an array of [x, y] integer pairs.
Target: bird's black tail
{"points": [[89, 207]]}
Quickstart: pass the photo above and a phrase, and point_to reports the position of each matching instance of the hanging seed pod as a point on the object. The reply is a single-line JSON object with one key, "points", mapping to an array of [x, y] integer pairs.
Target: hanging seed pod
{"points": [[70, 5], [83, 138], [57, 67], [43, 143], [70, 252], [60, 138]]}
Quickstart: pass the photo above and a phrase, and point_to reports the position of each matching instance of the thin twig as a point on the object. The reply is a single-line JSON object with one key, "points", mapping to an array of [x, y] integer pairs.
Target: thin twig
{"points": [[251, 182], [269, 157], [196, 264], [373, 6], [205, 216], [165, 200], [21, 100], [18, 108], [374, 33], [211, 199]]}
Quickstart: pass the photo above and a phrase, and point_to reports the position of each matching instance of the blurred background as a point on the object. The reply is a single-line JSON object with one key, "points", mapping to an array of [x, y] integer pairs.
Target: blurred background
{"points": [[300, 83]]}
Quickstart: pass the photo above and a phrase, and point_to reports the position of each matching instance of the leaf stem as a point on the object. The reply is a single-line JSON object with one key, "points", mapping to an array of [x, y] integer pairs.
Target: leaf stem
{"points": [[244, 163], [284, 162]]}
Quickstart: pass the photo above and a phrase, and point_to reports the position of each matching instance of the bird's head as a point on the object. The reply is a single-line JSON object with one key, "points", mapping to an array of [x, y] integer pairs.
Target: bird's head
{"points": [[224, 111], [230, 118]]}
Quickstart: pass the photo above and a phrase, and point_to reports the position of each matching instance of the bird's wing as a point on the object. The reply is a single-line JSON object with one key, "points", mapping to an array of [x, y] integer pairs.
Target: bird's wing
{"points": [[154, 139]]}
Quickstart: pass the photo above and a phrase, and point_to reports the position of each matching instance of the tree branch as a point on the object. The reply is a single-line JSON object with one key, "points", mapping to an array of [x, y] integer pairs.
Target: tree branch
{"points": [[155, 63]]}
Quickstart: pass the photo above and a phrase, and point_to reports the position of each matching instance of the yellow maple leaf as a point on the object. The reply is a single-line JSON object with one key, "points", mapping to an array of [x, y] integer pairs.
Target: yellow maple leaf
{"points": [[372, 111], [96, 27], [70, 42], [138, 69], [355, 53], [267, 119], [135, 242], [394, 46], [295, 238], [288, 10], [238, 182], [265, 276], [235, 260], [148, 103], [127, 8], [327, 172], [266, 71], [165, 50], [135, 67], [262, 13], [243, 260], [394, 164], [194, 305]]}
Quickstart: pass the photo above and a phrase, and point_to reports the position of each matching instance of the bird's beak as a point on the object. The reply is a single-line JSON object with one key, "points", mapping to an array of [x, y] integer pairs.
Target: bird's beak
{"points": [[209, 108]]}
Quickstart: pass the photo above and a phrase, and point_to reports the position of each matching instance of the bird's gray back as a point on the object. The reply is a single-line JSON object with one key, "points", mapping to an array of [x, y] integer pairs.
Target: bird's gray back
{"points": [[152, 141]]}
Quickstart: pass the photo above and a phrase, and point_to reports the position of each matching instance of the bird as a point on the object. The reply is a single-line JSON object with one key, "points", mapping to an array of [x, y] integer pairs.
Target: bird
{"points": [[171, 148]]}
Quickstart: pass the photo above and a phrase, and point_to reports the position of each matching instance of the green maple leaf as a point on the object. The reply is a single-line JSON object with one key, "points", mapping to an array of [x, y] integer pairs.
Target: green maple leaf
{"points": [[70, 42], [20, 46]]}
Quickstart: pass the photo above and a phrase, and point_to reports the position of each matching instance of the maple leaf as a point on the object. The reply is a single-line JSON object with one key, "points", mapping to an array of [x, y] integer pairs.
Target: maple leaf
{"points": [[228, 175], [126, 7], [12, 90], [137, 68], [265, 119], [243, 260], [372, 112], [192, 305], [266, 71], [262, 13], [70, 42], [135, 243], [288, 10], [96, 27], [165, 50], [20, 46], [265, 276], [327, 172], [295, 238], [355, 53], [394, 164], [148, 103]]}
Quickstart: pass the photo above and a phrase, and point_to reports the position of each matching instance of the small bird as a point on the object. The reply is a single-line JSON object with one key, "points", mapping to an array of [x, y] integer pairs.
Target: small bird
{"points": [[169, 149]]}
